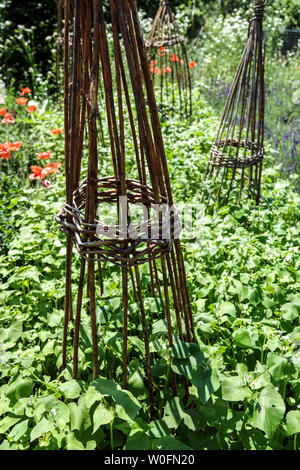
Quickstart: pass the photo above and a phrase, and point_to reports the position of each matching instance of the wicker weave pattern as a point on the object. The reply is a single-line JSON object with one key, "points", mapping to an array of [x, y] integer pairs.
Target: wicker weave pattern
{"points": [[110, 245], [219, 158]]}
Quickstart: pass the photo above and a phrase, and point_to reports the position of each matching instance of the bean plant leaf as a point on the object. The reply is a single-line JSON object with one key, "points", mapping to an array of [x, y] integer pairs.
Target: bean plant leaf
{"points": [[40, 429], [128, 407], [227, 308], [174, 413], [80, 416], [102, 416], [12, 334], [280, 367], [7, 423], [291, 311], [104, 386], [190, 361], [293, 422], [70, 389], [160, 428], [242, 338], [235, 389], [268, 411], [139, 441], [19, 430], [73, 443], [20, 388]]}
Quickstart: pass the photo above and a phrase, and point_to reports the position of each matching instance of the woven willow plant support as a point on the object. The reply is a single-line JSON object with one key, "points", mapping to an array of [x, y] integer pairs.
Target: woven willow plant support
{"points": [[123, 70], [168, 60], [237, 155]]}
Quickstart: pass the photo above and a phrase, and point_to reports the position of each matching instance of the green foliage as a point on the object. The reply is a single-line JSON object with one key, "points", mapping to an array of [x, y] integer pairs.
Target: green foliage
{"points": [[243, 272], [27, 32], [242, 266]]}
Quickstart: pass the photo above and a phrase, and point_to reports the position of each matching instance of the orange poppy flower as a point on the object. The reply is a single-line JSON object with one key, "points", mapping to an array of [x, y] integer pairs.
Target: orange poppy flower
{"points": [[44, 155], [192, 64], [13, 146], [52, 167], [31, 109], [174, 58], [5, 154], [25, 91], [167, 69], [56, 131], [162, 51], [21, 101], [3, 111], [8, 119], [38, 173]]}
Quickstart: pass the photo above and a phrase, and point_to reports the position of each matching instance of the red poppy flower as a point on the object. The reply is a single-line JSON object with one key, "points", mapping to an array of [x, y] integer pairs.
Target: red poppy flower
{"points": [[192, 64], [174, 58], [162, 51], [31, 109], [44, 155], [153, 62], [157, 70], [13, 146], [3, 111], [167, 69], [25, 91], [5, 154], [56, 131], [38, 173], [52, 167], [8, 119], [21, 101]]}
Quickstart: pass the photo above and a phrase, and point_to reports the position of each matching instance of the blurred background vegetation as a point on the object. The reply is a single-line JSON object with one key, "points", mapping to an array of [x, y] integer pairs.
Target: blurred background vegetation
{"points": [[216, 31], [28, 29]]}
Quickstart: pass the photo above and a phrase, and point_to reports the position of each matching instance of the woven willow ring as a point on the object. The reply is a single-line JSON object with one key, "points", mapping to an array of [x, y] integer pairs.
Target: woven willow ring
{"points": [[165, 42], [221, 154], [134, 243]]}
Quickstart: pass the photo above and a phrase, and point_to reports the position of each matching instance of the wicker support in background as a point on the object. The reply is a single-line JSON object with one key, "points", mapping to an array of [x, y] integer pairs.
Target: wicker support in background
{"points": [[236, 160], [168, 61], [139, 174]]}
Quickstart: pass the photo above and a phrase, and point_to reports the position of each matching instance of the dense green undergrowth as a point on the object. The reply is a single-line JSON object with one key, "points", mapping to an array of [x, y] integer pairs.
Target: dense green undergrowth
{"points": [[243, 274]]}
